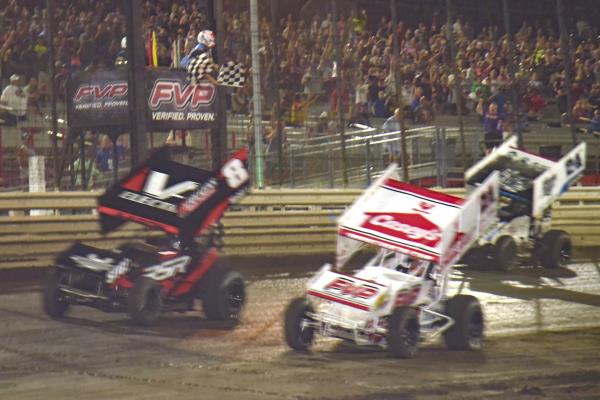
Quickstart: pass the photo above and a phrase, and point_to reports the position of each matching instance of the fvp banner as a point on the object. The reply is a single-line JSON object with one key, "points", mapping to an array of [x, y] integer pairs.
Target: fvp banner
{"points": [[98, 99], [175, 103]]}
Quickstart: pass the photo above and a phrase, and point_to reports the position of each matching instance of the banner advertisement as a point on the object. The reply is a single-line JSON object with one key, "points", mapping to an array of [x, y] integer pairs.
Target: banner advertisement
{"points": [[98, 99], [175, 103]]}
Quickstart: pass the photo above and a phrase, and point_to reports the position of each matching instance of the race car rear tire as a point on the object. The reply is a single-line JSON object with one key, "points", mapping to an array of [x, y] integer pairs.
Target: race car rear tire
{"points": [[404, 332], [54, 302], [298, 335], [144, 302], [469, 324], [556, 249], [505, 253], [223, 294], [479, 257]]}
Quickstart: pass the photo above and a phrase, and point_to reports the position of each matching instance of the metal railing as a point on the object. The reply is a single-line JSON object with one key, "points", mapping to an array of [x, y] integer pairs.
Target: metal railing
{"points": [[317, 162]]}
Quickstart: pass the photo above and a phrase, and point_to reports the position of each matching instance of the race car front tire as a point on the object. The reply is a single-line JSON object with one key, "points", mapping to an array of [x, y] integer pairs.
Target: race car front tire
{"points": [[298, 335], [144, 302], [469, 324], [505, 253], [555, 249], [223, 294], [54, 302], [404, 332]]}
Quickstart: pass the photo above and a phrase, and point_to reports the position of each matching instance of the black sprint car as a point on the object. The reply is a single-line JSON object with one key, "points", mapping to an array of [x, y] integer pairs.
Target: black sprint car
{"points": [[163, 273]]}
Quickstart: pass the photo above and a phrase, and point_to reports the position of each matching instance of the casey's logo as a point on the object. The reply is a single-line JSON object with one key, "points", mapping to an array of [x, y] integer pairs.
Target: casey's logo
{"points": [[424, 207], [180, 95], [412, 227]]}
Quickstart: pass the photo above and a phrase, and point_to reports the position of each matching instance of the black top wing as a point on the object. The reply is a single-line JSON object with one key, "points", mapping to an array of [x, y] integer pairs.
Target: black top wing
{"points": [[176, 198]]}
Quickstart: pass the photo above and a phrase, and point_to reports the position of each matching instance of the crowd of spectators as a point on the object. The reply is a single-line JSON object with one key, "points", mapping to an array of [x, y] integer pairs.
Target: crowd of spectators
{"points": [[298, 59], [87, 33], [305, 56]]}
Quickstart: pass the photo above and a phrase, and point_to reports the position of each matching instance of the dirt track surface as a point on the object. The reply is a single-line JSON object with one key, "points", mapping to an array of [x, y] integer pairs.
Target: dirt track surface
{"points": [[543, 343]]}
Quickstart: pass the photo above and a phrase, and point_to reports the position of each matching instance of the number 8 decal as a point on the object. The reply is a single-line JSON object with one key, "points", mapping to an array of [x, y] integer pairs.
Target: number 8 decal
{"points": [[235, 173]]}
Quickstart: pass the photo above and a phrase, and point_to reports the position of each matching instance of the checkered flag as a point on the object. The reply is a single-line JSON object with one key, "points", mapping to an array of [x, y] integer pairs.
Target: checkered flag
{"points": [[199, 67], [232, 74]]}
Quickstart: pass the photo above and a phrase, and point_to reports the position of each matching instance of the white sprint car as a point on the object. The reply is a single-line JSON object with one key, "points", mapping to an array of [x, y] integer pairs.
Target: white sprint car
{"points": [[399, 297], [529, 186]]}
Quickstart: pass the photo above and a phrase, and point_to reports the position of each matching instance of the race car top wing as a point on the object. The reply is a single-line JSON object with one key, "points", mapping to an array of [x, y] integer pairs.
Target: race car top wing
{"points": [[528, 178], [403, 218], [177, 198], [508, 157]]}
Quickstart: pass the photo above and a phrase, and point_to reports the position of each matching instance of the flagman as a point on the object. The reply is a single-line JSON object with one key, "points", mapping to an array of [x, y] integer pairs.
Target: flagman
{"points": [[200, 58]]}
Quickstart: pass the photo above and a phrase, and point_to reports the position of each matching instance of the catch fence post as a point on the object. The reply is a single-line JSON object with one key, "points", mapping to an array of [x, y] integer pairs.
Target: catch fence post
{"points": [[438, 162], [444, 158], [292, 179], [368, 161], [330, 163]]}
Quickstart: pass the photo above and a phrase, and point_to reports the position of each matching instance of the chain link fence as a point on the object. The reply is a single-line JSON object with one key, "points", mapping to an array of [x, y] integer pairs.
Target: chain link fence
{"points": [[327, 85]]}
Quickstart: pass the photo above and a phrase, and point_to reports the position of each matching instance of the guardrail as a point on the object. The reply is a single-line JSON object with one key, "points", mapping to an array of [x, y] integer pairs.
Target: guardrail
{"points": [[266, 222]]}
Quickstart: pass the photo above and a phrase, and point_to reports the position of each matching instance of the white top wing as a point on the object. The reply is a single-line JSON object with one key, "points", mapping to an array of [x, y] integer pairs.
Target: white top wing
{"points": [[417, 221]]}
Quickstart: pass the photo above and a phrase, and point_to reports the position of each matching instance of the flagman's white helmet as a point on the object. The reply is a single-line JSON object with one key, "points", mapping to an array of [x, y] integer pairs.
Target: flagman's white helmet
{"points": [[124, 42], [207, 38]]}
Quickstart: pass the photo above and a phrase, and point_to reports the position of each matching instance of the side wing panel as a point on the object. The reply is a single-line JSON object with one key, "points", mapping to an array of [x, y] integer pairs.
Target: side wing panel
{"points": [[557, 180]]}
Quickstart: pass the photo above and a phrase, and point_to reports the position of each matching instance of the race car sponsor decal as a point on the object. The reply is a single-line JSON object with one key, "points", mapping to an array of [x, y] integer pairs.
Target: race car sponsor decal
{"points": [[347, 291], [168, 269], [198, 197], [234, 173], [338, 299], [557, 179], [119, 270], [424, 207], [95, 263], [156, 185], [390, 243], [155, 190], [347, 287], [411, 227], [573, 165]]}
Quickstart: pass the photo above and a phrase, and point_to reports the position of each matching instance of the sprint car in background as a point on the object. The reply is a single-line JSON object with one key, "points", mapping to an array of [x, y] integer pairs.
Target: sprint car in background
{"points": [[529, 185], [163, 273], [400, 296]]}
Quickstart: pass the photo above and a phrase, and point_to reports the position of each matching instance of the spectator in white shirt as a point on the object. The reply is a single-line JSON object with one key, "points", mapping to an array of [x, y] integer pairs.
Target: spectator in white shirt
{"points": [[392, 147], [14, 100]]}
